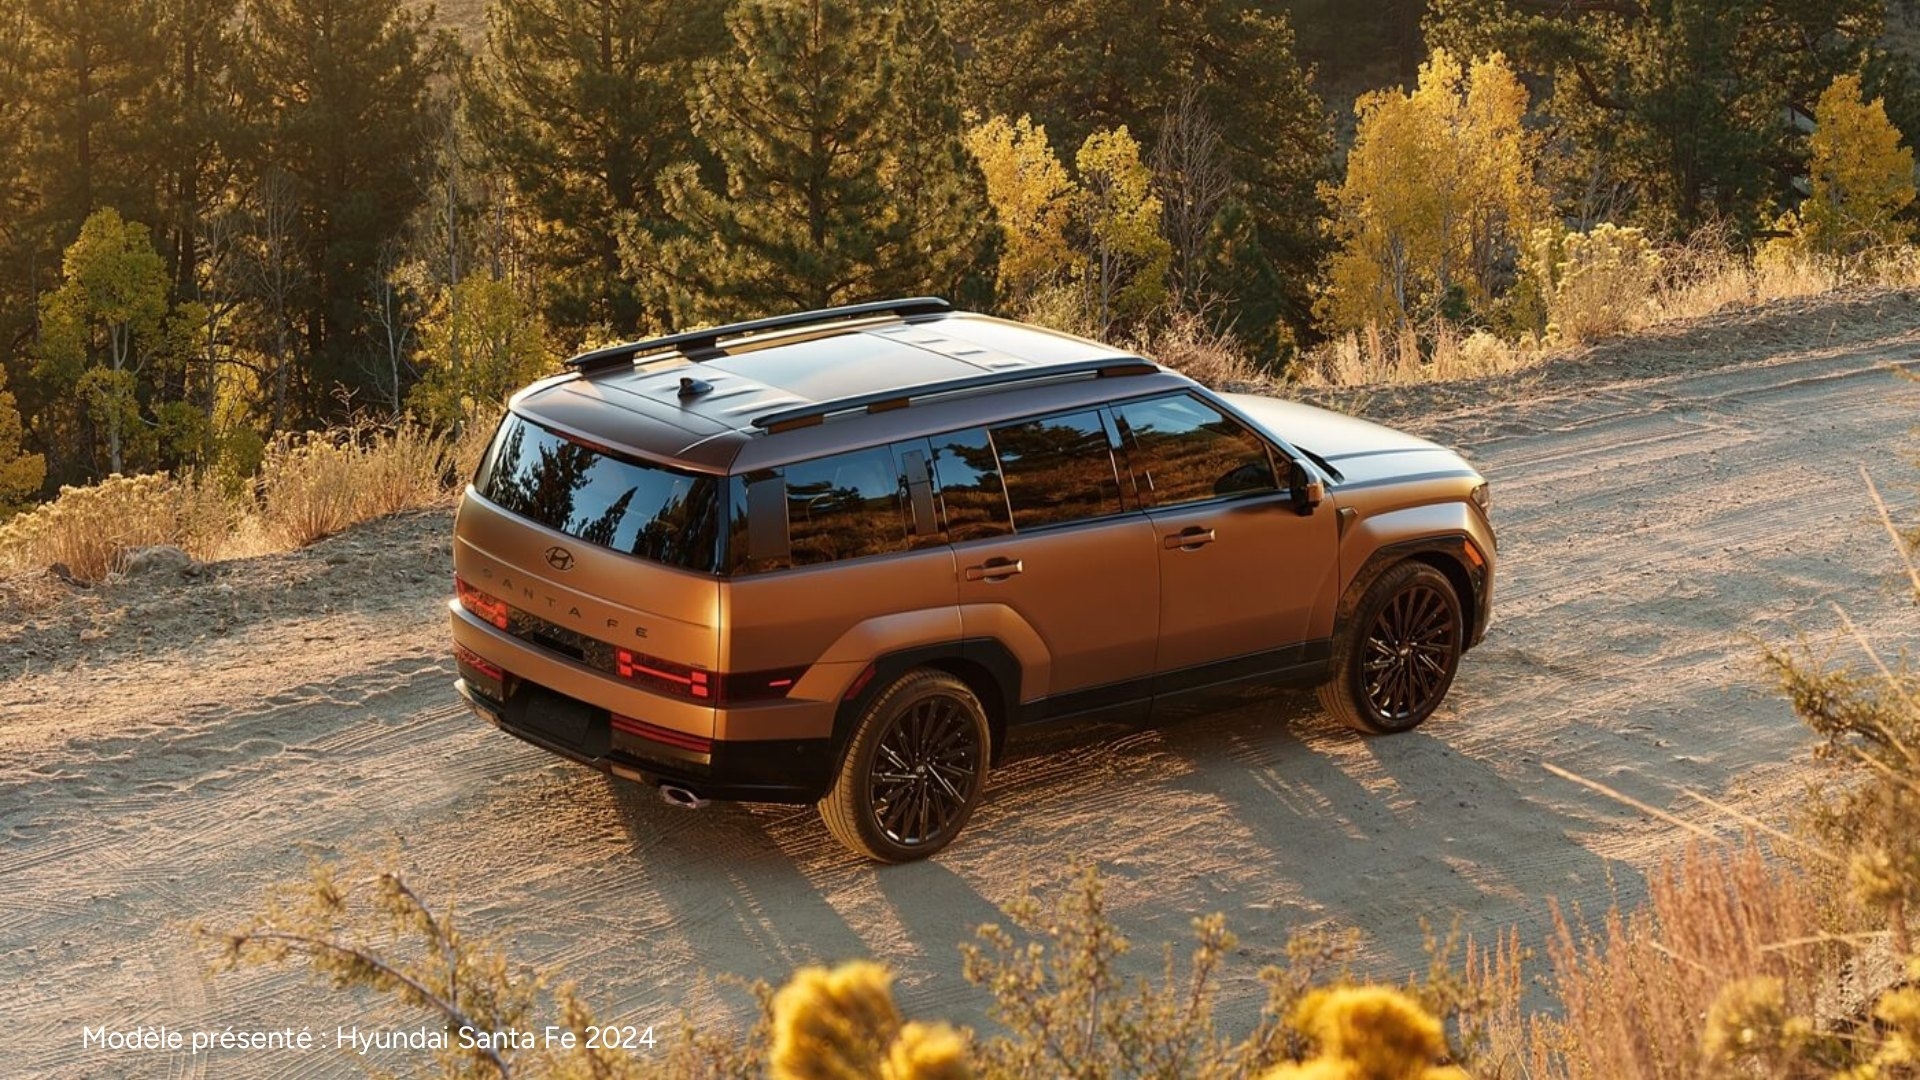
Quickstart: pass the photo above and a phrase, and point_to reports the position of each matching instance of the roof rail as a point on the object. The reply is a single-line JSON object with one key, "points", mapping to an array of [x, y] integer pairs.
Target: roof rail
{"points": [[901, 397], [705, 341]]}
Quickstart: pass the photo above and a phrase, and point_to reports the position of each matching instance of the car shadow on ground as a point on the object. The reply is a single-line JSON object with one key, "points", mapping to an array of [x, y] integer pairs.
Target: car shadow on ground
{"points": [[1388, 832], [1308, 825]]}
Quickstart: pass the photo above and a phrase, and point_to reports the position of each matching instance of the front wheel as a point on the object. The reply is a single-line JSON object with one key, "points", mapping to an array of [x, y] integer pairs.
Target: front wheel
{"points": [[1395, 659], [913, 771]]}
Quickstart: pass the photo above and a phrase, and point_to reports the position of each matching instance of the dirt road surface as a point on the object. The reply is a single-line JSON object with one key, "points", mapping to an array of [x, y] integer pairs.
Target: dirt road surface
{"points": [[171, 750]]}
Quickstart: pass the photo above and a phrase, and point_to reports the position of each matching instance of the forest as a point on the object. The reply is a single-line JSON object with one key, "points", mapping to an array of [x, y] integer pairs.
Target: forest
{"points": [[226, 222]]}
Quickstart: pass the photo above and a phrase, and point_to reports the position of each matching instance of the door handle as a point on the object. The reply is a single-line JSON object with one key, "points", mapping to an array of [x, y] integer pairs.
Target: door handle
{"points": [[1189, 539], [996, 569]]}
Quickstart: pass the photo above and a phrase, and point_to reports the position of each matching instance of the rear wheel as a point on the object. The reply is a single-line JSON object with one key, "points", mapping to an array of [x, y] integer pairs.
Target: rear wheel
{"points": [[1395, 659], [913, 771]]}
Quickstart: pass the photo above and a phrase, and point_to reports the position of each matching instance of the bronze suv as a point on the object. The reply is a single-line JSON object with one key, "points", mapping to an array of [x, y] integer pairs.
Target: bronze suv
{"points": [[843, 556]]}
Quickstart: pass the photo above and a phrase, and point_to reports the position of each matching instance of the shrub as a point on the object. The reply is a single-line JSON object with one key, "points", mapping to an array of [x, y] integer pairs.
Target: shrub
{"points": [[1368, 1033], [312, 486], [1187, 344], [1596, 283], [842, 1025], [89, 530]]}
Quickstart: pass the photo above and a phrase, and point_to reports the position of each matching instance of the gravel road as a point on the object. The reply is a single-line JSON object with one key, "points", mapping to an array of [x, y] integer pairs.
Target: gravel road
{"points": [[170, 751]]}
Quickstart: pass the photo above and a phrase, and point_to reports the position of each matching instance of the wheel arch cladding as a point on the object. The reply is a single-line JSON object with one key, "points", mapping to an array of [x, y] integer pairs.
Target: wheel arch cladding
{"points": [[1446, 554], [987, 667], [1463, 587]]}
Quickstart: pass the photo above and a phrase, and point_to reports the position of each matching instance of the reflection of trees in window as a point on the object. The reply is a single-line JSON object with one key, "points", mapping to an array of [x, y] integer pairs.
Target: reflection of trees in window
{"points": [[968, 478], [671, 517], [1057, 470], [844, 507], [1183, 451], [603, 529]]}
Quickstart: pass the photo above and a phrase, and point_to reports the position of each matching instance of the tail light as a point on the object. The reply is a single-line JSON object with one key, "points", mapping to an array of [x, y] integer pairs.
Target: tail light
{"points": [[479, 663], [492, 609], [643, 730], [710, 687]]}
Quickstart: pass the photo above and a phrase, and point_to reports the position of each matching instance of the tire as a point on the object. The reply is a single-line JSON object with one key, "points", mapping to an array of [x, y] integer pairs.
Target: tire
{"points": [[931, 731], [1396, 657]]}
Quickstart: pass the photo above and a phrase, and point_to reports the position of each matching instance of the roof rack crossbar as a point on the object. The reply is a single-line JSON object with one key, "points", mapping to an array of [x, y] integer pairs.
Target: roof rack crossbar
{"points": [[803, 415], [698, 341]]}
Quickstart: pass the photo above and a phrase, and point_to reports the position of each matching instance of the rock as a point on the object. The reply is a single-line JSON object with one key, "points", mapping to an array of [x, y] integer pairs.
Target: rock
{"points": [[160, 559]]}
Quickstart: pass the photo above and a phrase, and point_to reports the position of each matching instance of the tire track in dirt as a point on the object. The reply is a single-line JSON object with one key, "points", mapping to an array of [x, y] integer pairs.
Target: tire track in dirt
{"points": [[1654, 531]]}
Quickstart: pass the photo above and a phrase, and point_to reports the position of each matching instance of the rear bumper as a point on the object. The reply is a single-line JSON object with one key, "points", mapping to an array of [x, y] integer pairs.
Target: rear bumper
{"points": [[772, 770]]}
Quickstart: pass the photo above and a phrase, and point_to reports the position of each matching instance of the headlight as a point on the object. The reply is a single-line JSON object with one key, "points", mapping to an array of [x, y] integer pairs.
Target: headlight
{"points": [[1482, 497]]}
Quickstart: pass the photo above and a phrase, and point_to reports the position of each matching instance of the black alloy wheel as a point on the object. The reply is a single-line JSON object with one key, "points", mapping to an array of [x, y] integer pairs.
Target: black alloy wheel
{"points": [[913, 769], [1395, 656], [1410, 654], [925, 772]]}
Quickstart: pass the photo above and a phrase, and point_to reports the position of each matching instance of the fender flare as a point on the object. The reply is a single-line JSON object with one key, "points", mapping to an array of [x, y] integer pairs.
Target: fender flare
{"points": [[988, 667], [1448, 553]]}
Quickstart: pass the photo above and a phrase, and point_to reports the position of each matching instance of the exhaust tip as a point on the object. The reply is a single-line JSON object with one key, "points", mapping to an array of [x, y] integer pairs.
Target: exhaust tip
{"points": [[678, 796]]}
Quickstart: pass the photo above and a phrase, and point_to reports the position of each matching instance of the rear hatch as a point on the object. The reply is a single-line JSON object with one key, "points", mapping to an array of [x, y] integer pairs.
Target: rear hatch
{"points": [[606, 562]]}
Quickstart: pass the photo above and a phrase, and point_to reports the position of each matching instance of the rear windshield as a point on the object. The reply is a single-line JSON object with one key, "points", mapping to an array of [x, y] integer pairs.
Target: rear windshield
{"points": [[657, 513]]}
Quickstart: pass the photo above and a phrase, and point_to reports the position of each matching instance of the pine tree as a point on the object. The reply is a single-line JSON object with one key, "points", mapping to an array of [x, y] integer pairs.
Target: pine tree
{"points": [[582, 103], [1861, 177], [344, 87], [942, 195], [807, 120], [92, 67], [196, 125]]}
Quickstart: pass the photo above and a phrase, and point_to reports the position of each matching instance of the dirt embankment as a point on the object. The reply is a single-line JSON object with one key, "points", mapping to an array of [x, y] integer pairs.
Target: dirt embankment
{"points": [[170, 748]]}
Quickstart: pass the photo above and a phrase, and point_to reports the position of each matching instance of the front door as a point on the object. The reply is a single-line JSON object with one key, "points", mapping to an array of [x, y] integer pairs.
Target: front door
{"points": [[1241, 571]]}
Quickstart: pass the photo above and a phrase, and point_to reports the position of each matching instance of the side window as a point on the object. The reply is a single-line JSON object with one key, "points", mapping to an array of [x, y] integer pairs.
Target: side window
{"points": [[970, 488], [840, 507], [1183, 450], [1057, 470], [843, 507]]}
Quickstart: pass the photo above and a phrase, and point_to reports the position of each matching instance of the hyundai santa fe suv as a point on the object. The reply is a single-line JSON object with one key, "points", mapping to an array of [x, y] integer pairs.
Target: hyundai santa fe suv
{"points": [[841, 557]]}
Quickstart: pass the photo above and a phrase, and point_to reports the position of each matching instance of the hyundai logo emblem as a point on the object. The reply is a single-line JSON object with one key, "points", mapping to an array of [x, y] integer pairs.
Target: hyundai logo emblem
{"points": [[559, 558]]}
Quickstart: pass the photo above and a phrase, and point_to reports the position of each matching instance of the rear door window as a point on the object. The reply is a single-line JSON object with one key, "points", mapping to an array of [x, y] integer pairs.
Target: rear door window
{"points": [[846, 506], [668, 515], [1183, 450], [968, 476], [1058, 469]]}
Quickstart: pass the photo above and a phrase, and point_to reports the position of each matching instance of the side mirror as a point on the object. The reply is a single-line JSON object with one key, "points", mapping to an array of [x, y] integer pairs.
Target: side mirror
{"points": [[1308, 490]]}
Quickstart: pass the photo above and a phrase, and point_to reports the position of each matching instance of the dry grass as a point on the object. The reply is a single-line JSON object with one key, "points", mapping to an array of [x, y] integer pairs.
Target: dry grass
{"points": [[309, 487], [1185, 342], [90, 530], [316, 485], [1379, 355], [1635, 991], [1696, 279]]}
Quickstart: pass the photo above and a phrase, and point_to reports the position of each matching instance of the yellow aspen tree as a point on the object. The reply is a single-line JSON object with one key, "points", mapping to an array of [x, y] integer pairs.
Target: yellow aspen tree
{"points": [[1439, 193], [1861, 178], [1032, 198], [1127, 257]]}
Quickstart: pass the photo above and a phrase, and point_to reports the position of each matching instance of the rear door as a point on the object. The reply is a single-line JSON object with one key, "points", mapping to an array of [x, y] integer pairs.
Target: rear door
{"points": [[1240, 570], [1045, 540]]}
